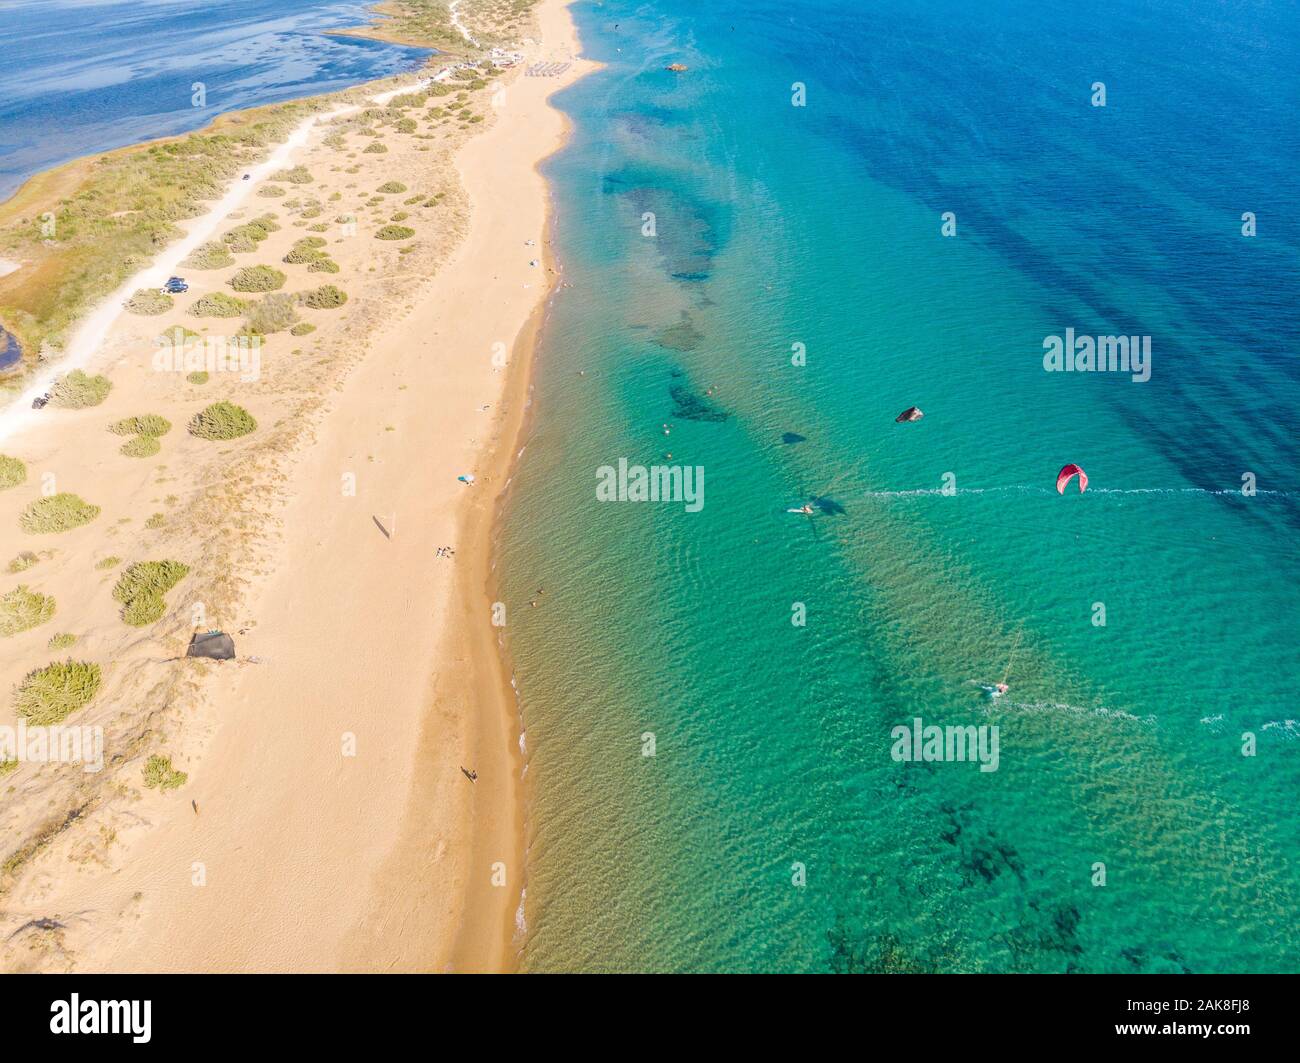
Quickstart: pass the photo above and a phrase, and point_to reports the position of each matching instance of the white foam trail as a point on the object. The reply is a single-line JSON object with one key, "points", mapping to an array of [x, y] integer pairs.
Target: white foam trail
{"points": [[1033, 489], [88, 340], [1056, 706]]}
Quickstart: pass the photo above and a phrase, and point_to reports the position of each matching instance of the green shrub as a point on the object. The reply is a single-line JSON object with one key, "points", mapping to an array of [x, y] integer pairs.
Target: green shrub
{"points": [[57, 513], [21, 609], [215, 254], [257, 279], [147, 424], [61, 641], [299, 175], [322, 265], [246, 237], [405, 125], [394, 232], [106, 563], [159, 773], [326, 297], [222, 420], [141, 447], [76, 391], [273, 313], [217, 304], [375, 149], [12, 472], [25, 560], [303, 328], [141, 587], [51, 694], [200, 377], [304, 251], [155, 522], [270, 191], [391, 187], [149, 302]]}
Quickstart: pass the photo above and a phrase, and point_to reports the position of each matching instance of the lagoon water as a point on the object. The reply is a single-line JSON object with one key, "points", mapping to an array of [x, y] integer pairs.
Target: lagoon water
{"points": [[85, 76], [1124, 829]]}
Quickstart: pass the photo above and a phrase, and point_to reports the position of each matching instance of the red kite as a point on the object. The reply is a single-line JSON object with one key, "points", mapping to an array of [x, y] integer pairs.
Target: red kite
{"points": [[1067, 474]]}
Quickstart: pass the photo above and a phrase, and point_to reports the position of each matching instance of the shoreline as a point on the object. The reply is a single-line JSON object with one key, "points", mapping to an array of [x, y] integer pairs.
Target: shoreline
{"points": [[404, 888]]}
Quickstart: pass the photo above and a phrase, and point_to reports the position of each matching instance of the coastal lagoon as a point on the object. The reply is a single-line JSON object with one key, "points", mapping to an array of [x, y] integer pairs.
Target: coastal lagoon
{"points": [[709, 697], [98, 76]]}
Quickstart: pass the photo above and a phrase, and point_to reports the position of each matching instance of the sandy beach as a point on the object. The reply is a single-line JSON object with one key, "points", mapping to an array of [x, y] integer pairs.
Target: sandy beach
{"points": [[326, 823]]}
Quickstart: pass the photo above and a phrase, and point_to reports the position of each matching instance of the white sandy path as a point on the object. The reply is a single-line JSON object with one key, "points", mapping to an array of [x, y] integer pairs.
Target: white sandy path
{"points": [[455, 21]]}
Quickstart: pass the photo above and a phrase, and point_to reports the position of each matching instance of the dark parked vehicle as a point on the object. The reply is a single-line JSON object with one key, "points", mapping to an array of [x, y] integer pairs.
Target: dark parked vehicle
{"points": [[175, 285], [39, 402]]}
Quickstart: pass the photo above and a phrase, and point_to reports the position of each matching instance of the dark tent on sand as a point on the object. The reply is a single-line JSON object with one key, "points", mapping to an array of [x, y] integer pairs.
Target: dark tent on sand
{"points": [[215, 644]]}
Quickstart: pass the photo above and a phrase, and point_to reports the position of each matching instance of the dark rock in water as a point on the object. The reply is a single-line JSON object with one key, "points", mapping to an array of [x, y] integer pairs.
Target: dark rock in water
{"points": [[793, 437], [689, 406], [683, 336], [11, 352]]}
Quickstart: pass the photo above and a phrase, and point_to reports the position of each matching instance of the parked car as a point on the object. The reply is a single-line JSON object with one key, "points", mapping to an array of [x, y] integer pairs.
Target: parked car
{"points": [[175, 285], [39, 402]]}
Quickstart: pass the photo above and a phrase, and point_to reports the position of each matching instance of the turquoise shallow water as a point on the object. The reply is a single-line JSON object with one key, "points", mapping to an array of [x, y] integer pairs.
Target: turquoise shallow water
{"points": [[1121, 744]]}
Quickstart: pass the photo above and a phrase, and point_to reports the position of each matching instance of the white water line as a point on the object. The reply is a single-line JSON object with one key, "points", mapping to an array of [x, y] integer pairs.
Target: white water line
{"points": [[89, 337]]}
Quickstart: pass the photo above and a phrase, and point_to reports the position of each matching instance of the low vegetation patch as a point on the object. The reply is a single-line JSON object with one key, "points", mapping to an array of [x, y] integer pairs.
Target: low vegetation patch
{"points": [[215, 254], [51, 694], [147, 424], [326, 297], [57, 513], [222, 420], [375, 149], [217, 304], [270, 191], [391, 187], [273, 313], [299, 175], [104, 564], [141, 447], [23, 562], [303, 328], [149, 302], [12, 472], [76, 390], [257, 279], [395, 232], [61, 641], [141, 589], [159, 774], [21, 609], [199, 377]]}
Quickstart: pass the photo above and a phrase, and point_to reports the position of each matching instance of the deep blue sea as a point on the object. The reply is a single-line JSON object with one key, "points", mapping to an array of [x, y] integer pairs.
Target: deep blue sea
{"points": [[710, 697], [84, 76]]}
